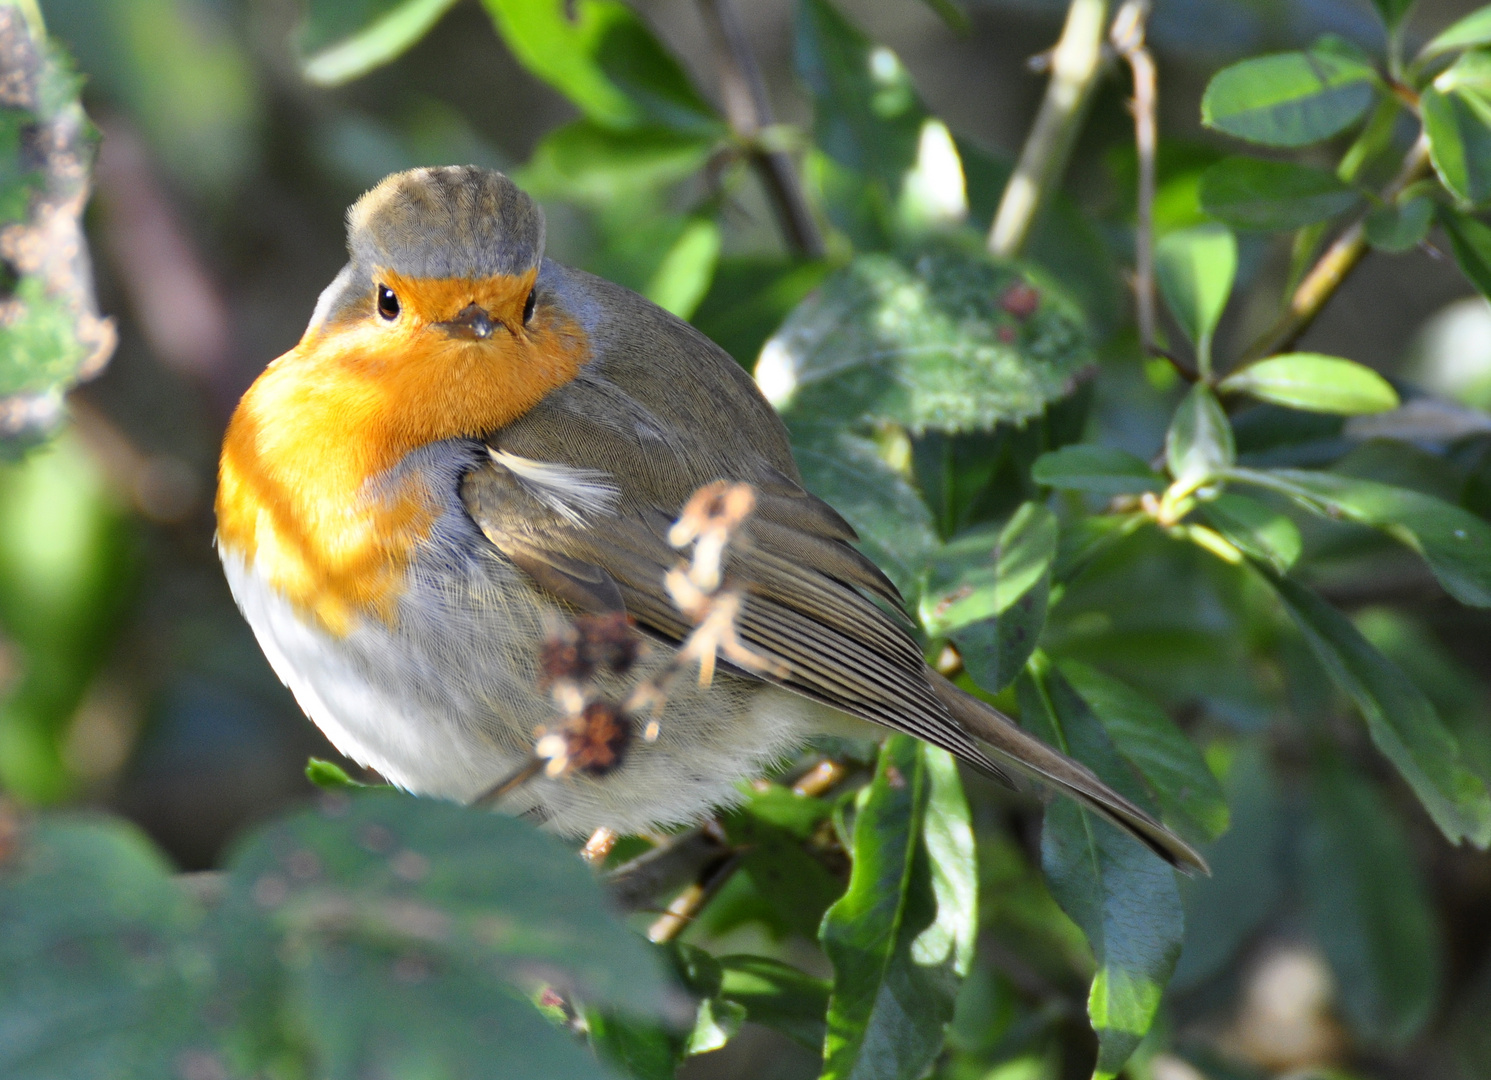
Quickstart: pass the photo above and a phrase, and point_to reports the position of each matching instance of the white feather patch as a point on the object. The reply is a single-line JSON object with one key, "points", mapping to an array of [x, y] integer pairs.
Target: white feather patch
{"points": [[571, 492]]}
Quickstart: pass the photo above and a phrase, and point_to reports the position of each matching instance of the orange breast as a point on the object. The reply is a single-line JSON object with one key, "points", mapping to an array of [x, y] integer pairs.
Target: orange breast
{"points": [[346, 405]]}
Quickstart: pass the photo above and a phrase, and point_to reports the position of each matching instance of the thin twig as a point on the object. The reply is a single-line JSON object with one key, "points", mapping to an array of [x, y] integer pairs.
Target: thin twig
{"points": [[749, 111], [1332, 268], [1127, 36], [1075, 64], [687, 905]]}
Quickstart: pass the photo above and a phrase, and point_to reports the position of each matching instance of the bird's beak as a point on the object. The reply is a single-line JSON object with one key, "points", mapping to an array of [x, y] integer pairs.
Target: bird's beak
{"points": [[473, 324]]}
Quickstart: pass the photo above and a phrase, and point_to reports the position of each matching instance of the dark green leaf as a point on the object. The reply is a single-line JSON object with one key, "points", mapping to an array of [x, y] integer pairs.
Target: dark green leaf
{"points": [[1454, 542], [988, 590], [1471, 242], [1251, 193], [639, 1050], [895, 528], [1370, 908], [1459, 128], [1314, 382], [1402, 226], [1101, 470], [779, 996], [945, 338], [1119, 892], [1189, 796], [1254, 529], [601, 56], [1402, 722], [1196, 268], [1469, 32], [1392, 11], [794, 883], [901, 937], [866, 114], [952, 13], [341, 40], [1199, 444], [102, 978], [379, 908], [1288, 99], [1247, 880], [748, 299]]}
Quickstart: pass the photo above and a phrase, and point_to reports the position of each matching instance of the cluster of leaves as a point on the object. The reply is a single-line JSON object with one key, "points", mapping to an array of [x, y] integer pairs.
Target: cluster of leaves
{"points": [[938, 398]]}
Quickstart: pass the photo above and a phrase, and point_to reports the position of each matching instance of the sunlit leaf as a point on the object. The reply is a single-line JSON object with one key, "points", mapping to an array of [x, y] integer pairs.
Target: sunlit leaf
{"points": [[1459, 128], [341, 40], [778, 996], [1199, 444], [1196, 268], [1100, 470], [1469, 32], [1255, 529], [1401, 720], [1254, 193], [900, 939], [987, 590], [1311, 381], [1119, 892], [1370, 908], [687, 269], [1454, 542], [944, 338], [1288, 99]]}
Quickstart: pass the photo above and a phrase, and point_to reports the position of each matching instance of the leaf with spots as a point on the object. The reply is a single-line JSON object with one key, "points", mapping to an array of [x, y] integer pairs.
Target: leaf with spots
{"points": [[343, 923]]}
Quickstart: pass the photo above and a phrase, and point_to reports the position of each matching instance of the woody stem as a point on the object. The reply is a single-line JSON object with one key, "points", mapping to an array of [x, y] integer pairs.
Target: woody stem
{"points": [[749, 111]]}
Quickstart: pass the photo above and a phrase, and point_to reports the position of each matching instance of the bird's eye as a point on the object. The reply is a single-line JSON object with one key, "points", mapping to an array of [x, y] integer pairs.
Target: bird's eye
{"points": [[388, 303], [528, 306]]}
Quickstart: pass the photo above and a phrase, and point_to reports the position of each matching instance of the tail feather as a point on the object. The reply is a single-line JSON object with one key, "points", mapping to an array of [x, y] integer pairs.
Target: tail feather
{"points": [[1016, 748]]}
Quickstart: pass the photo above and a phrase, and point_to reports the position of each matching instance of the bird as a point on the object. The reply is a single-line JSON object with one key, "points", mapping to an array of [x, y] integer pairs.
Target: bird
{"points": [[472, 443]]}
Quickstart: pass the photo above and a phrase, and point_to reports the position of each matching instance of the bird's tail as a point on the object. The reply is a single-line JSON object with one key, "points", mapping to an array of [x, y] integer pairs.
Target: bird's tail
{"points": [[1019, 750]]}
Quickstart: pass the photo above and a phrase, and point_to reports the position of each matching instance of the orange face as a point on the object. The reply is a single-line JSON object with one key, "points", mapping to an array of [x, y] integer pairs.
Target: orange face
{"points": [[445, 358]]}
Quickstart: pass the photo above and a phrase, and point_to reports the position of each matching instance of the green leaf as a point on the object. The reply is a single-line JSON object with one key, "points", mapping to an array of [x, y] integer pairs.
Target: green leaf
{"points": [[748, 298], [1454, 542], [1288, 99], [1392, 11], [1400, 227], [900, 938], [988, 592], [1199, 445], [1401, 720], [1196, 268], [1100, 470], [1471, 242], [894, 525], [386, 923], [587, 163], [1251, 193], [342, 40], [866, 114], [796, 885], [1119, 892], [941, 338], [687, 269], [778, 996], [1189, 796], [102, 976], [1459, 128], [602, 56], [1254, 529], [1469, 32], [1370, 908], [1315, 383], [330, 776]]}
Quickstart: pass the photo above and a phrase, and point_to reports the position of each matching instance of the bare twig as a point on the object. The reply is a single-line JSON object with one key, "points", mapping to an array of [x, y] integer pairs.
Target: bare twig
{"points": [[822, 777], [749, 112], [1075, 64], [1332, 268], [686, 905], [1127, 37]]}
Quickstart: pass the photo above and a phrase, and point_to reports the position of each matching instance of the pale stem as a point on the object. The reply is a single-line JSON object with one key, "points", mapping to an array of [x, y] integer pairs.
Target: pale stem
{"points": [[1075, 64], [1127, 37]]}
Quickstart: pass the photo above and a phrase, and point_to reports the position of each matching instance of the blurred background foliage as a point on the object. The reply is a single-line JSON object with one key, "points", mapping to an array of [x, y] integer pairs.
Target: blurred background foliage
{"points": [[1265, 620]]}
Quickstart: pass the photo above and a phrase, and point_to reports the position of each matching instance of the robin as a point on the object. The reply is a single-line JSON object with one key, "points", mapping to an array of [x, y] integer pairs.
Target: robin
{"points": [[471, 444]]}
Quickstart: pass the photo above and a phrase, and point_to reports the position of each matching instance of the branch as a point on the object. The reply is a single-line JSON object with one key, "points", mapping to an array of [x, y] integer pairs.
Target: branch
{"points": [[749, 112], [1075, 64], [1332, 268], [1127, 37]]}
